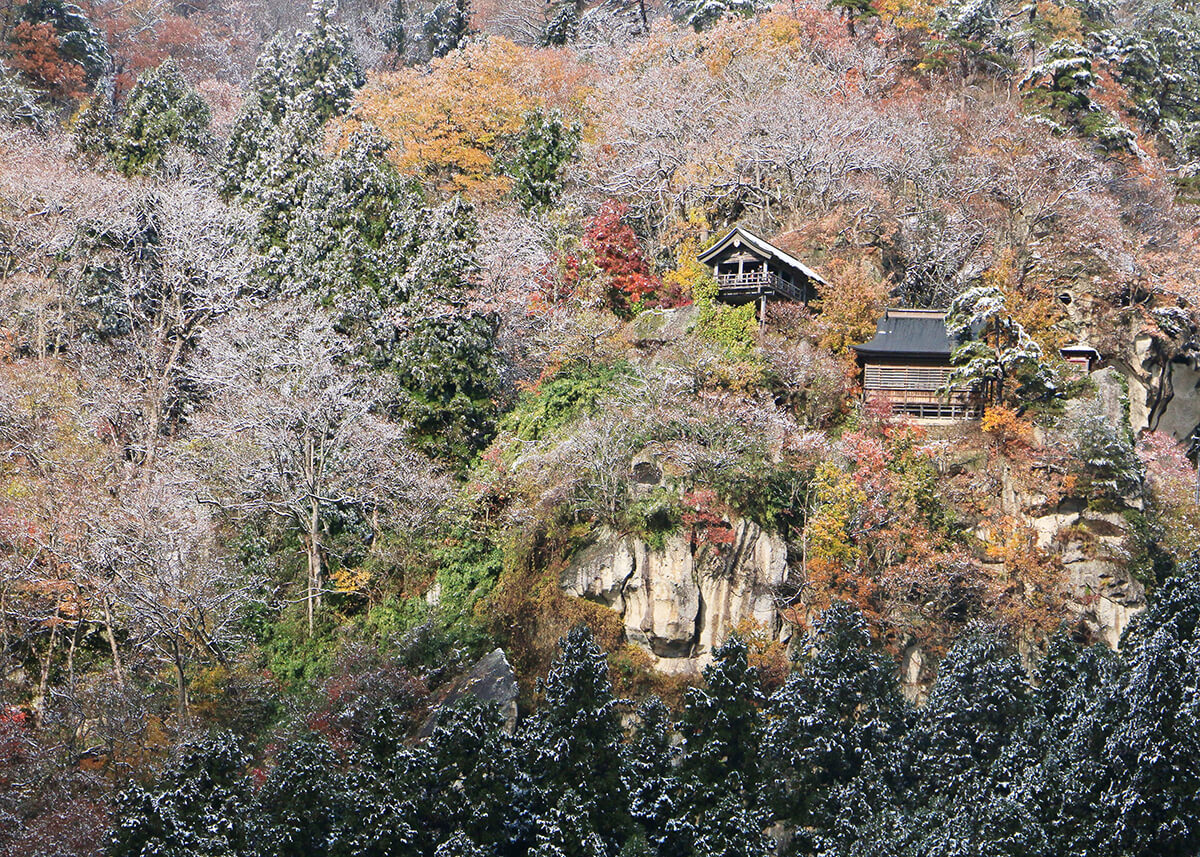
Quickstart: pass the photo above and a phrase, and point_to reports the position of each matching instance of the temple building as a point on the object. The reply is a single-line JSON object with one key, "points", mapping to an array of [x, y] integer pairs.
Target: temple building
{"points": [[747, 268], [907, 364]]}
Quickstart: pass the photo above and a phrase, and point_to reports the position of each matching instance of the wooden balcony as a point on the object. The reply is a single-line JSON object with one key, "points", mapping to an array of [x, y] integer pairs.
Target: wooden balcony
{"points": [[751, 285]]}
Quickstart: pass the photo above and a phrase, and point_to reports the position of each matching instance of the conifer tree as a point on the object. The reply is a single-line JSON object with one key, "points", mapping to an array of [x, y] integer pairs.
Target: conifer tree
{"points": [[94, 126], [839, 712], [649, 777], [996, 356], [1154, 750], [162, 111], [575, 755], [447, 26], [201, 805], [546, 144]]}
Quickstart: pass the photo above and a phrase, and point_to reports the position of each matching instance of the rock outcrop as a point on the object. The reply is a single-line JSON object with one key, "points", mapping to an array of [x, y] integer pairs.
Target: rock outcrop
{"points": [[490, 680], [680, 600], [1091, 546]]}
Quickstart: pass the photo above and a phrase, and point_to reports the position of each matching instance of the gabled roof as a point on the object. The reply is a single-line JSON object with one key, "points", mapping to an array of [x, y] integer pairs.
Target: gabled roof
{"points": [[910, 333], [737, 235]]}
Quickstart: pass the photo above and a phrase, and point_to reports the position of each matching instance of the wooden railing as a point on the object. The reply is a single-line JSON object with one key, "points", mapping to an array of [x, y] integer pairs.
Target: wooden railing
{"points": [[752, 284], [927, 403]]}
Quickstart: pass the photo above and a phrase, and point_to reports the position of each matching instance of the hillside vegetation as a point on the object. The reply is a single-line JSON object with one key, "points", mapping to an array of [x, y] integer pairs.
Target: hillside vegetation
{"points": [[340, 347]]}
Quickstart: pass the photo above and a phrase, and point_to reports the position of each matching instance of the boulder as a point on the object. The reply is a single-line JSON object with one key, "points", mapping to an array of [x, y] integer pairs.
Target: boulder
{"points": [[490, 680]]}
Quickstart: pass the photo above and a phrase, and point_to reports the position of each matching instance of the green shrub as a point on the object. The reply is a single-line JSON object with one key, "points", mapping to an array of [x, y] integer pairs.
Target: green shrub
{"points": [[733, 328], [575, 390]]}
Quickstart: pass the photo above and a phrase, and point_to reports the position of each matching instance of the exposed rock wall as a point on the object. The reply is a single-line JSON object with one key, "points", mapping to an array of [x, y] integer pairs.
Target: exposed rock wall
{"points": [[680, 601]]}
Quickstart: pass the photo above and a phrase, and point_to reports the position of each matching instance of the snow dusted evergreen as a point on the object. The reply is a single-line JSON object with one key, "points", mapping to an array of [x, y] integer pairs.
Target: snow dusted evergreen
{"points": [[295, 90], [1095, 753]]}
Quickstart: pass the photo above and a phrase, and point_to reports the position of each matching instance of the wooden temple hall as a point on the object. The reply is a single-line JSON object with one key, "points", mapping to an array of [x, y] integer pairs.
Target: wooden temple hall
{"points": [[907, 364], [747, 268]]}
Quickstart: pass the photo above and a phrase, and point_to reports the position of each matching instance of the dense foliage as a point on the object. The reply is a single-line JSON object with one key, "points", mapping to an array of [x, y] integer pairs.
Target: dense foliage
{"points": [[343, 345], [1090, 753]]}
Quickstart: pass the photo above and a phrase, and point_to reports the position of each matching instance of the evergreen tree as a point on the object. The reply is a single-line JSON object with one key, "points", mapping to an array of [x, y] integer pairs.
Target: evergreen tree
{"points": [[574, 752], [79, 40], [395, 34], [562, 24], [447, 26], [721, 726], [464, 784], [94, 126], [702, 14], [995, 350], [1059, 771], [838, 712], [262, 111], [1154, 749], [649, 777], [545, 146], [323, 66], [162, 111], [445, 355], [722, 722], [200, 806], [306, 806], [295, 91]]}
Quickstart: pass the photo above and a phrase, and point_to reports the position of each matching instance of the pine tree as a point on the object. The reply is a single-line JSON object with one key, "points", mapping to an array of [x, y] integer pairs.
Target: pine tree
{"points": [[546, 144], [445, 354], [162, 111], [722, 722], [323, 65], [447, 26], [262, 111], [94, 126], [838, 712], [649, 776], [200, 806], [1154, 750], [295, 91], [574, 755], [702, 14], [995, 350], [306, 806]]}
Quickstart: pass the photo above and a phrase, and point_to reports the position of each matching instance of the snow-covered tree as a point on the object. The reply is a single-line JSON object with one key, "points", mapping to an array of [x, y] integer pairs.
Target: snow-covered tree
{"points": [[575, 755], [546, 144], [447, 26], [162, 111], [995, 355], [839, 712], [201, 805], [296, 89], [1154, 750], [702, 14]]}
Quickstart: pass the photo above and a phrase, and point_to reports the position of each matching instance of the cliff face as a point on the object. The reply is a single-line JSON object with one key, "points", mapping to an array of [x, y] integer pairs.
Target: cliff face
{"points": [[681, 600]]}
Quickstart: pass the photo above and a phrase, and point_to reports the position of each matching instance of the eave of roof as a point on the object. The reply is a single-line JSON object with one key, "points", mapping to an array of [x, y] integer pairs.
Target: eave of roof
{"points": [[923, 336], [763, 247]]}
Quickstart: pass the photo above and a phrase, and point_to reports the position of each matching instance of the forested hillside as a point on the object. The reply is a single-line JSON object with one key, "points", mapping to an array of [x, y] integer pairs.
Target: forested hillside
{"points": [[382, 471]]}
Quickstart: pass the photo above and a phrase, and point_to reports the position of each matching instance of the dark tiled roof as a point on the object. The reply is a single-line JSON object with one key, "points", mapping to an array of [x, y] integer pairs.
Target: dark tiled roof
{"points": [[910, 333]]}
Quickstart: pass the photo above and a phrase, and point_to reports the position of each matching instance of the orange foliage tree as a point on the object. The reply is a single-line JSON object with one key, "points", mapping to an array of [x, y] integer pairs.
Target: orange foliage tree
{"points": [[36, 52], [452, 124]]}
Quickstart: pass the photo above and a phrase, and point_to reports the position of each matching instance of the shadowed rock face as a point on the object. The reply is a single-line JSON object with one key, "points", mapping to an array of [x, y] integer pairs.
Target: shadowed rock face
{"points": [[491, 680], [681, 601]]}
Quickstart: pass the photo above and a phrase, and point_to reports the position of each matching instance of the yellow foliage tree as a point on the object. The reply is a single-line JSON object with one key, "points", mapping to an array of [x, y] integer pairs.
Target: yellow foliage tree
{"points": [[850, 306], [450, 124]]}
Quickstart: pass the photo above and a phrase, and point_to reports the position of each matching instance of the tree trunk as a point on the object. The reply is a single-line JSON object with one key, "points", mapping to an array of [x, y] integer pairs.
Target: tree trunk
{"points": [[112, 644], [40, 709], [180, 683]]}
